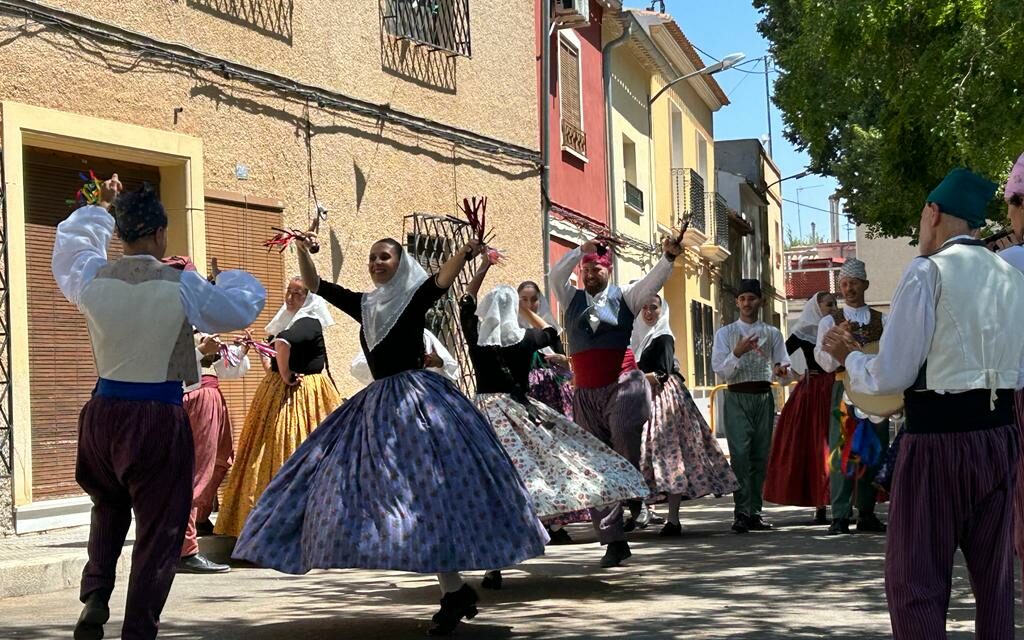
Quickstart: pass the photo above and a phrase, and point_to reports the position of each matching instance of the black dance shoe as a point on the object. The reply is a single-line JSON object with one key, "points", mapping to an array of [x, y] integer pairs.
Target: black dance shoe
{"points": [[559, 537], [741, 524], [840, 526], [94, 615], [820, 517], [671, 530], [629, 525], [492, 580], [615, 554], [198, 563], [870, 524], [758, 523], [454, 607]]}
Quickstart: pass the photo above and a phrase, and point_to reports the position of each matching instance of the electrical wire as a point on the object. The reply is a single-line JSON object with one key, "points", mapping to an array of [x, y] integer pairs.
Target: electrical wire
{"points": [[194, 60], [806, 206]]}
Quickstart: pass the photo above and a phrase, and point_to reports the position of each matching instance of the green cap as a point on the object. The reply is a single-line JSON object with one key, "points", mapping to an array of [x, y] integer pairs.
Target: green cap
{"points": [[964, 194]]}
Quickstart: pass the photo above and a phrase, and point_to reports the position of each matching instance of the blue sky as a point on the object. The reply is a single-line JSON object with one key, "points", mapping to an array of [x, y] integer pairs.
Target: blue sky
{"points": [[727, 26]]}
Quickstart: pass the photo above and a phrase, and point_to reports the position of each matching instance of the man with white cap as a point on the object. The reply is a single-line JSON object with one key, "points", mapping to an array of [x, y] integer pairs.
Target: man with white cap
{"points": [[866, 325]]}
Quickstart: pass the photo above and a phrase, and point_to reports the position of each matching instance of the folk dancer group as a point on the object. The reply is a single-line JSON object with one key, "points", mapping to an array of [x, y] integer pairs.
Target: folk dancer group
{"points": [[380, 482]]}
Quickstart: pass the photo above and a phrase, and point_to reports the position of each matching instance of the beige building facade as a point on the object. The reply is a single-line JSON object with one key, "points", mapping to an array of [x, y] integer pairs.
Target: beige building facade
{"points": [[245, 119]]}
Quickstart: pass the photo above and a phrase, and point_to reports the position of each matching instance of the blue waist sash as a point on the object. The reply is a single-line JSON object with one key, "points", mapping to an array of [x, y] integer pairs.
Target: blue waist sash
{"points": [[169, 392]]}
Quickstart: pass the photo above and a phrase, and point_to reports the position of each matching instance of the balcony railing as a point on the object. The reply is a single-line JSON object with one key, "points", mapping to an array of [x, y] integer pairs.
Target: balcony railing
{"points": [[437, 24], [634, 196], [688, 198], [718, 216], [574, 138]]}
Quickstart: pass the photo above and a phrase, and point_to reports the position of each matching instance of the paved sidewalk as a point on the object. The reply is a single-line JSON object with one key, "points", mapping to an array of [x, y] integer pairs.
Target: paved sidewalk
{"points": [[793, 583]]}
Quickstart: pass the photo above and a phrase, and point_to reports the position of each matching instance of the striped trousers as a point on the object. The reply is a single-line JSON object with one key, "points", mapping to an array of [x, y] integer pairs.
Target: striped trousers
{"points": [[615, 414], [952, 490]]}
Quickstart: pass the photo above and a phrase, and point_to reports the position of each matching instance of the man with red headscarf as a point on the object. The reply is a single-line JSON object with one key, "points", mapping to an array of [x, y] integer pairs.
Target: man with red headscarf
{"points": [[612, 400]]}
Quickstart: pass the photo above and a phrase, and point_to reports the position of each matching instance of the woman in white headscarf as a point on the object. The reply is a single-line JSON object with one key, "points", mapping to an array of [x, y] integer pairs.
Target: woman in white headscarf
{"points": [[294, 397], [679, 457], [798, 473], [407, 475], [550, 375], [565, 468]]}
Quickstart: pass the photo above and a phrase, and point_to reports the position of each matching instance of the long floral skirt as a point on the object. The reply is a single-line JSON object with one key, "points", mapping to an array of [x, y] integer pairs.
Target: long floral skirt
{"points": [[798, 472], [279, 420], [679, 455], [407, 476], [565, 468]]}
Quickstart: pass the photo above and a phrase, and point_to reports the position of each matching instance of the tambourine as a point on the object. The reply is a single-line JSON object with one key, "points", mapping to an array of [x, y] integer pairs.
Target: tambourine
{"points": [[875, 405]]}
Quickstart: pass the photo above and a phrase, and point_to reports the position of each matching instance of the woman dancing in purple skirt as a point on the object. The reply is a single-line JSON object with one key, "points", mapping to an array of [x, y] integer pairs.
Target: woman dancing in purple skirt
{"points": [[381, 483]]}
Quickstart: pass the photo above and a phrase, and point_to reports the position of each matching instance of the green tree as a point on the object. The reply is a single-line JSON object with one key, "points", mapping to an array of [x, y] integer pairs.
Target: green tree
{"points": [[888, 95]]}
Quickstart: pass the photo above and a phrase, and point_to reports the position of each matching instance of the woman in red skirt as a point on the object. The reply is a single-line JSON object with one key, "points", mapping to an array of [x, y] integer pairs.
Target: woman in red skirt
{"points": [[797, 465]]}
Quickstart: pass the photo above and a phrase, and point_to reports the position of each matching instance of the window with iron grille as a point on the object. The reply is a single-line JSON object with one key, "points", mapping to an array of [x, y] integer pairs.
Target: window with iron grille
{"points": [[570, 93], [437, 24], [431, 240], [703, 322], [688, 198]]}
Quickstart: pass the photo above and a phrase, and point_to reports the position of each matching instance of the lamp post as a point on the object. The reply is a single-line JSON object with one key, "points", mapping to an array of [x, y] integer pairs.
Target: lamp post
{"points": [[727, 62], [799, 224]]}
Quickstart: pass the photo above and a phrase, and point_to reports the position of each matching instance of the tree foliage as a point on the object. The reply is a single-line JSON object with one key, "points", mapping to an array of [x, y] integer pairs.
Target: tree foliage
{"points": [[889, 95]]}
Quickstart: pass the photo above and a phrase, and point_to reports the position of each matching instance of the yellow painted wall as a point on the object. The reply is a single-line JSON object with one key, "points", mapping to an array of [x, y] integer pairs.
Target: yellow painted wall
{"points": [[691, 279], [629, 90]]}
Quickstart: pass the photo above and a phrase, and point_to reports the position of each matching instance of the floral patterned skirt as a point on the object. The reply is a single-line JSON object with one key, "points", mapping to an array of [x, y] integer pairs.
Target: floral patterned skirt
{"points": [[408, 476], [553, 387], [679, 455], [565, 468]]}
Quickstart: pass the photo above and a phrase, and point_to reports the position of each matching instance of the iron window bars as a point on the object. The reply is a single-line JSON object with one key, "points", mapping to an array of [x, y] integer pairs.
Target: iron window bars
{"points": [[442, 25]]}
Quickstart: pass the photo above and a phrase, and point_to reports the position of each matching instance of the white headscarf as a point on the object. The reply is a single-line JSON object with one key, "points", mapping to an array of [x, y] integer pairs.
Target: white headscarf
{"points": [[499, 318], [314, 307], [644, 334], [806, 326], [384, 305]]}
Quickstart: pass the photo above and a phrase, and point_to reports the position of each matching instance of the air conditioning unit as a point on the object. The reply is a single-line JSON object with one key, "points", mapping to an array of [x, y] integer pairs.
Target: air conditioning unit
{"points": [[570, 14]]}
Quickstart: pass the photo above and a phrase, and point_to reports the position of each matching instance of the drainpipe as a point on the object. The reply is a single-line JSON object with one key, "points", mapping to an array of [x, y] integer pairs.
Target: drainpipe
{"points": [[545, 135], [606, 63]]}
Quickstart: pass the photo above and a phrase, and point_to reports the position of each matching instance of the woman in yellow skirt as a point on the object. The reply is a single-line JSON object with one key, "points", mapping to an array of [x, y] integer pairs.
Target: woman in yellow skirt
{"points": [[293, 398]]}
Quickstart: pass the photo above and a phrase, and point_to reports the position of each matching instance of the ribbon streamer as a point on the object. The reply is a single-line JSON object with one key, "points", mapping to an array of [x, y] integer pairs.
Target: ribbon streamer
{"points": [[284, 239], [90, 191]]}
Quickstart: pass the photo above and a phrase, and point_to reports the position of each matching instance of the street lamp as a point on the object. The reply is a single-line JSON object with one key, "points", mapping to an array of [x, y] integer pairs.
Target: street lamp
{"points": [[799, 224], [727, 62], [795, 176]]}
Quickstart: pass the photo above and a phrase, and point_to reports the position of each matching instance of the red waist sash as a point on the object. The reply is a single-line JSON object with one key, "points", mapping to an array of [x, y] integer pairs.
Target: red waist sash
{"points": [[601, 367]]}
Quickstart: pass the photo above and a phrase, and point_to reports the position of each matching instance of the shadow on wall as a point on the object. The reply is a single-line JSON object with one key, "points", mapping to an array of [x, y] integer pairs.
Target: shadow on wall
{"points": [[409, 61], [271, 18]]}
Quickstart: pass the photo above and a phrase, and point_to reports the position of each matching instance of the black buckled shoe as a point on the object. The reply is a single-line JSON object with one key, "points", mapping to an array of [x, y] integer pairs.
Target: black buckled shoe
{"points": [[492, 580], [561, 536], [94, 615], [870, 524], [198, 563], [671, 530], [758, 523], [454, 607], [741, 524], [615, 554], [839, 526]]}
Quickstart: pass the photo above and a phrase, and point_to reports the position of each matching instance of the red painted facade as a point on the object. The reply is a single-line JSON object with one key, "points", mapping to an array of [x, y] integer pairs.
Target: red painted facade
{"points": [[575, 184]]}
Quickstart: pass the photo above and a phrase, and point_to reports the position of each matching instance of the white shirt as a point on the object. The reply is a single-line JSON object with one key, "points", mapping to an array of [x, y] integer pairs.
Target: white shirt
{"points": [[80, 251], [907, 338], [360, 369], [634, 295], [860, 315], [221, 368], [1014, 255], [724, 361]]}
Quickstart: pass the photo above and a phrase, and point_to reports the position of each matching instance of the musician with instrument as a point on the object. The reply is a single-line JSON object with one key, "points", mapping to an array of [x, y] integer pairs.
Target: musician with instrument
{"points": [[748, 354], [946, 348], [852, 472]]}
